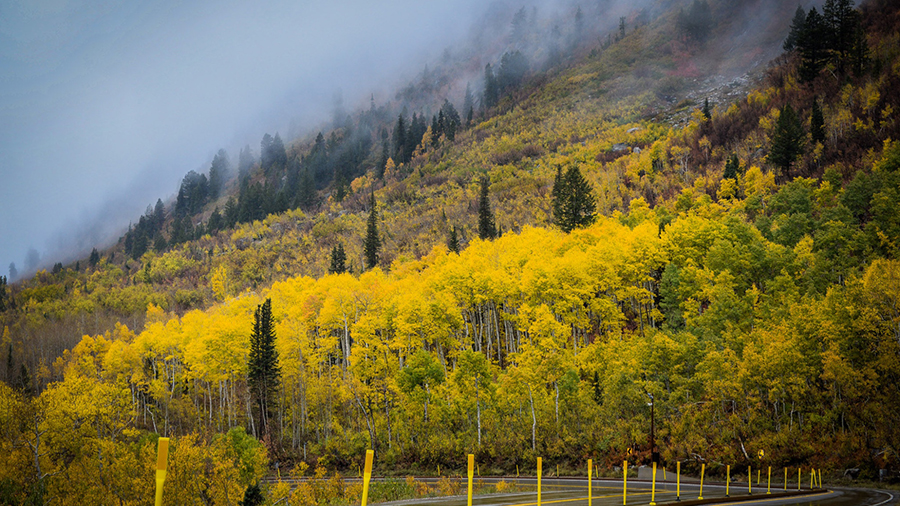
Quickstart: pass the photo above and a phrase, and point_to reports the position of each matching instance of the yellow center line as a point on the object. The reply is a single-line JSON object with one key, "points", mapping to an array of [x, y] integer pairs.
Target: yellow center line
{"points": [[575, 499], [828, 492]]}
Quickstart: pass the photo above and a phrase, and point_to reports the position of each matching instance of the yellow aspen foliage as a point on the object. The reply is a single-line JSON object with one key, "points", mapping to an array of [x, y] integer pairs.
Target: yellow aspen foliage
{"points": [[219, 282]]}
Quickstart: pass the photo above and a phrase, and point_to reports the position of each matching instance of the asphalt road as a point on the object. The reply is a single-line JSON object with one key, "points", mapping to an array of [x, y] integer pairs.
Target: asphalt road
{"points": [[573, 492]]}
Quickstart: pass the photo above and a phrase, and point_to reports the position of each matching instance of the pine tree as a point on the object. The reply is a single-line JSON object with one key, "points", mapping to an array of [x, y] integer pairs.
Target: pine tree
{"points": [[707, 113], [579, 205], [558, 195], [731, 167], [486, 226], [453, 241], [787, 141], [218, 171], [468, 105], [338, 260], [263, 371], [817, 123], [2, 293], [491, 89], [797, 25], [812, 43], [95, 257], [372, 243], [400, 140], [14, 273]]}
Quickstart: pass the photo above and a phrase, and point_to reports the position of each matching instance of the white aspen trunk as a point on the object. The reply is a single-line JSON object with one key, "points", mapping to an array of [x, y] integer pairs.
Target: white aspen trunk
{"points": [[533, 420]]}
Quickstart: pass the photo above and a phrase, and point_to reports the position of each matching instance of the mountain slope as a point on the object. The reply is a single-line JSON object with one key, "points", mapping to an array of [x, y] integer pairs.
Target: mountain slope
{"points": [[752, 301]]}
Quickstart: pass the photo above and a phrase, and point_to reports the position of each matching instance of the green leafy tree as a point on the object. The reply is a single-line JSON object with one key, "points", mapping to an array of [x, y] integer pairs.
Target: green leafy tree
{"points": [[487, 229], [787, 141], [264, 373], [372, 243]]}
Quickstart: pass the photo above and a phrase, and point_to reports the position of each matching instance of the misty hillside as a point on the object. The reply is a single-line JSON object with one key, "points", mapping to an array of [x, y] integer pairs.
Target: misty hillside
{"points": [[692, 199]]}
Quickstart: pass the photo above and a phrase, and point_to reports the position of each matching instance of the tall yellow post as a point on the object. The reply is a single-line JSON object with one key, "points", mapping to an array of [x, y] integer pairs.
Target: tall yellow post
{"points": [[367, 476], [557, 470], [757, 475], [539, 471], [702, 472], [785, 478], [811, 474], [625, 483], [653, 487], [517, 470], [471, 472], [799, 477], [678, 480], [769, 485], [590, 483], [162, 458], [727, 480], [750, 480]]}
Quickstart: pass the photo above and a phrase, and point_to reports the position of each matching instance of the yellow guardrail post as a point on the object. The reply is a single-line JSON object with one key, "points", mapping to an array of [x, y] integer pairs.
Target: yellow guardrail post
{"points": [[758, 471], [367, 475], [590, 483], [811, 482], [727, 480], [750, 480], [471, 471], [769, 484], [625, 483], [799, 477], [653, 487], [678, 480], [539, 471], [702, 472], [785, 478], [162, 458]]}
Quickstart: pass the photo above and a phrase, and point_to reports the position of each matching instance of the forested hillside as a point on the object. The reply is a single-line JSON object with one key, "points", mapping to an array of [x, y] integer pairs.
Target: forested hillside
{"points": [[645, 212]]}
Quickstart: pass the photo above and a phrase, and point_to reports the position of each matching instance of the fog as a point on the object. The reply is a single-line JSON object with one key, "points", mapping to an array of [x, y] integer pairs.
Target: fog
{"points": [[105, 105]]}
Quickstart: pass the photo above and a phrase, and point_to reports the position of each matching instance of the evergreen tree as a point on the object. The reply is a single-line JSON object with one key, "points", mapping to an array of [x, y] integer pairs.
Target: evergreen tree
{"points": [[218, 171], [731, 167], [468, 105], [93, 259], [707, 113], [491, 90], [797, 25], [817, 123], [453, 241], [253, 496], [263, 371], [487, 229], [159, 214], [13, 272], [265, 152], [573, 203], [372, 243], [2, 293], [245, 162], [812, 43], [787, 140], [338, 260], [841, 20], [400, 140]]}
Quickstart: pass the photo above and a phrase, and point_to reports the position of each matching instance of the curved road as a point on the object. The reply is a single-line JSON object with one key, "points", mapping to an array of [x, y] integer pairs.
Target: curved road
{"points": [[573, 492]]}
